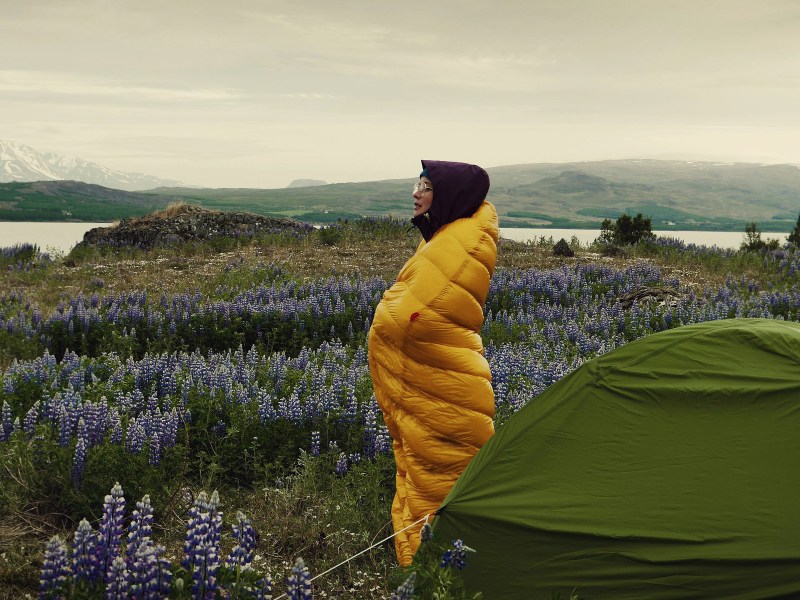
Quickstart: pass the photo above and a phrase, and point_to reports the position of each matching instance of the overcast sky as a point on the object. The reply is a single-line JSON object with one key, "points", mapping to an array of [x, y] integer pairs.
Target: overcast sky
{"points": [[236, 93]]}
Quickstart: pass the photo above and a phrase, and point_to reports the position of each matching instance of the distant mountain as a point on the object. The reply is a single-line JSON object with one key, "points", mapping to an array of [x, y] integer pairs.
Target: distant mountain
{"points": [[689, 195], [306, 183], [19, 162], [676, 195]]}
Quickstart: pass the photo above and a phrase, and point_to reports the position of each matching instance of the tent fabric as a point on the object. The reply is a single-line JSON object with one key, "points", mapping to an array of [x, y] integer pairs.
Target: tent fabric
{"points": [[430, 377], [667, 468]]}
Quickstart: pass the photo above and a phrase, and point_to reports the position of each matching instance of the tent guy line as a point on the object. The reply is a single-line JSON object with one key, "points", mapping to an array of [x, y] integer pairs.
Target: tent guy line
{"points": [[375, 545]]}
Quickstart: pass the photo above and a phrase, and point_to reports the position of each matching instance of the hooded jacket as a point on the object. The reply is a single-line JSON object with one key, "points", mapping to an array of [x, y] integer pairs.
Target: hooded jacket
{"points": [[430, 377], [458, 189]]}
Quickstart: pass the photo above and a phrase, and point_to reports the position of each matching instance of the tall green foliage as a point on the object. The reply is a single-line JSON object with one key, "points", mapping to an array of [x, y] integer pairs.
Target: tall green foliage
{"points": [[794, 236], [753, 241], [626, 230]]}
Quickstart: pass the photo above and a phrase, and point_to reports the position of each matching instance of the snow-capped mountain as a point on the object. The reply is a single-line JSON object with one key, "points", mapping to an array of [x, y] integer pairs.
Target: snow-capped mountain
{"points": [[19, 162]]}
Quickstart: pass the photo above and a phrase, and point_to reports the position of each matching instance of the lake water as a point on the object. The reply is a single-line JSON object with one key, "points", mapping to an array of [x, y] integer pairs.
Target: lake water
{"points": [[61, 237], [721, 239], [50, 237]]}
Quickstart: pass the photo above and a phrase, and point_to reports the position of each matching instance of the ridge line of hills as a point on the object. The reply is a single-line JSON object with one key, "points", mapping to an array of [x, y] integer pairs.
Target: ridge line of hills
{"points": [[676, 195]]}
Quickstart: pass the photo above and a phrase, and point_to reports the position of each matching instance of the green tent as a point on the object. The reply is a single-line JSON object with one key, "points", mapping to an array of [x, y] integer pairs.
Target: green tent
{"points": [[667, 468]]}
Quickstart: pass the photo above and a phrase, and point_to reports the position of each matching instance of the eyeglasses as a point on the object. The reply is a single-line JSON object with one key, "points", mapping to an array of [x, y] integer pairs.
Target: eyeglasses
{"points": [[422, 188]]}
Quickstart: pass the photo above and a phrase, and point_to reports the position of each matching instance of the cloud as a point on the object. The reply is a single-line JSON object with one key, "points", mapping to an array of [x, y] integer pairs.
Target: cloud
{"points": [[49, 82], [308, 89]]}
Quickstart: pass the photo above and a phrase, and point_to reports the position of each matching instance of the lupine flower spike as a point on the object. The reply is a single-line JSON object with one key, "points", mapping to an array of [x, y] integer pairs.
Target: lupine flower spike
{"points": [[110, 531], [245, 537], [298, 585], [55, 570], [264, 589], [150, 573], [141, 526], [406, 590], [85, 563], [457, 556], [118, 580], [201, 548]]}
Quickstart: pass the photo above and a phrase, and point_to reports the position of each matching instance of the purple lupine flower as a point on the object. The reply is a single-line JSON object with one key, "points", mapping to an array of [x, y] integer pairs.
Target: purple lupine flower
{"points": [[55, 570], [298, 584], [79, 460], [426, 533], [64, 426], [456, 556], [152, 401], [31, 418], [342, 465], [97, 427], [140, 528], [370, 432], [169, 428], [85, 563], [115, 425], [264, 589], [118, 580], [406, 590], [245, 536], [9, 383], [6, 422], [155, 449], [315, 443], [111, 526], [150, 575], [383, 441], [201, 548], [136, 437]]}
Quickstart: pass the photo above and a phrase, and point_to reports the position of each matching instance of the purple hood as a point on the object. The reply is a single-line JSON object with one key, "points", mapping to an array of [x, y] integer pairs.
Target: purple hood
{"points": [[458, 190]]}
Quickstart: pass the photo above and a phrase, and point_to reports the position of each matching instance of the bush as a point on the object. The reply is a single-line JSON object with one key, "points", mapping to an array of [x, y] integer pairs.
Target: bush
{"points": [[613, 251], [753, 241], [626, 230], [562, 249], [794, 236], [331, 235]]}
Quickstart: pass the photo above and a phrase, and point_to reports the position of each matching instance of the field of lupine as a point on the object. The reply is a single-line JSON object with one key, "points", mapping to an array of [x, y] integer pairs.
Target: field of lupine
{"points": [[226, 385]]}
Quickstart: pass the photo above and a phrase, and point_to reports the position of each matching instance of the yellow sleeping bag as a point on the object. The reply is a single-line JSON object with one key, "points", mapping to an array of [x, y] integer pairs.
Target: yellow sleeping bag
{"points": [[430, 377]]}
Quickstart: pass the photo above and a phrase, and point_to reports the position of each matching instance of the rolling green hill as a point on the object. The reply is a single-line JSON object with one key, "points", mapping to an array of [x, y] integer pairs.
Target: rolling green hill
{"points": [[676, 195], [73, 201]]}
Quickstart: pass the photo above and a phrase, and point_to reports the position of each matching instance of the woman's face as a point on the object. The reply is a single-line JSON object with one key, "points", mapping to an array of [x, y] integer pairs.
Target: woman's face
{"points": [[423, 196]]}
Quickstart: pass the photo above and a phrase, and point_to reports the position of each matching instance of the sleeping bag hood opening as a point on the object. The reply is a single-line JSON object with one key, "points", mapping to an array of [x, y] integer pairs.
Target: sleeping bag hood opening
{"points": [[458, 190]]}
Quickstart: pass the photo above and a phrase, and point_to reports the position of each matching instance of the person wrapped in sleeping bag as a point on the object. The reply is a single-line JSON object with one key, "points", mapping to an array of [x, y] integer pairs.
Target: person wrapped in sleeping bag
{"points": [[430, 377]]}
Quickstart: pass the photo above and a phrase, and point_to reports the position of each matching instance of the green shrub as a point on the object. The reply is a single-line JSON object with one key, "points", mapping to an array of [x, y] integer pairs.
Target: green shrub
{"points": [[753, 241], [626, 230]]}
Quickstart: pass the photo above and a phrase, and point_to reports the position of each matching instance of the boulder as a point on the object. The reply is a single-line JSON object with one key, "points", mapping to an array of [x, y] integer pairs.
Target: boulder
{"points": [[185, 223], [647, 294]]}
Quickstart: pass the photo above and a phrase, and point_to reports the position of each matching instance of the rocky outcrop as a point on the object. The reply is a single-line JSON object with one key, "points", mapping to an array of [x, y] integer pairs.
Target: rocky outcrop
{"points": [[642, 295], [184, 223]]}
